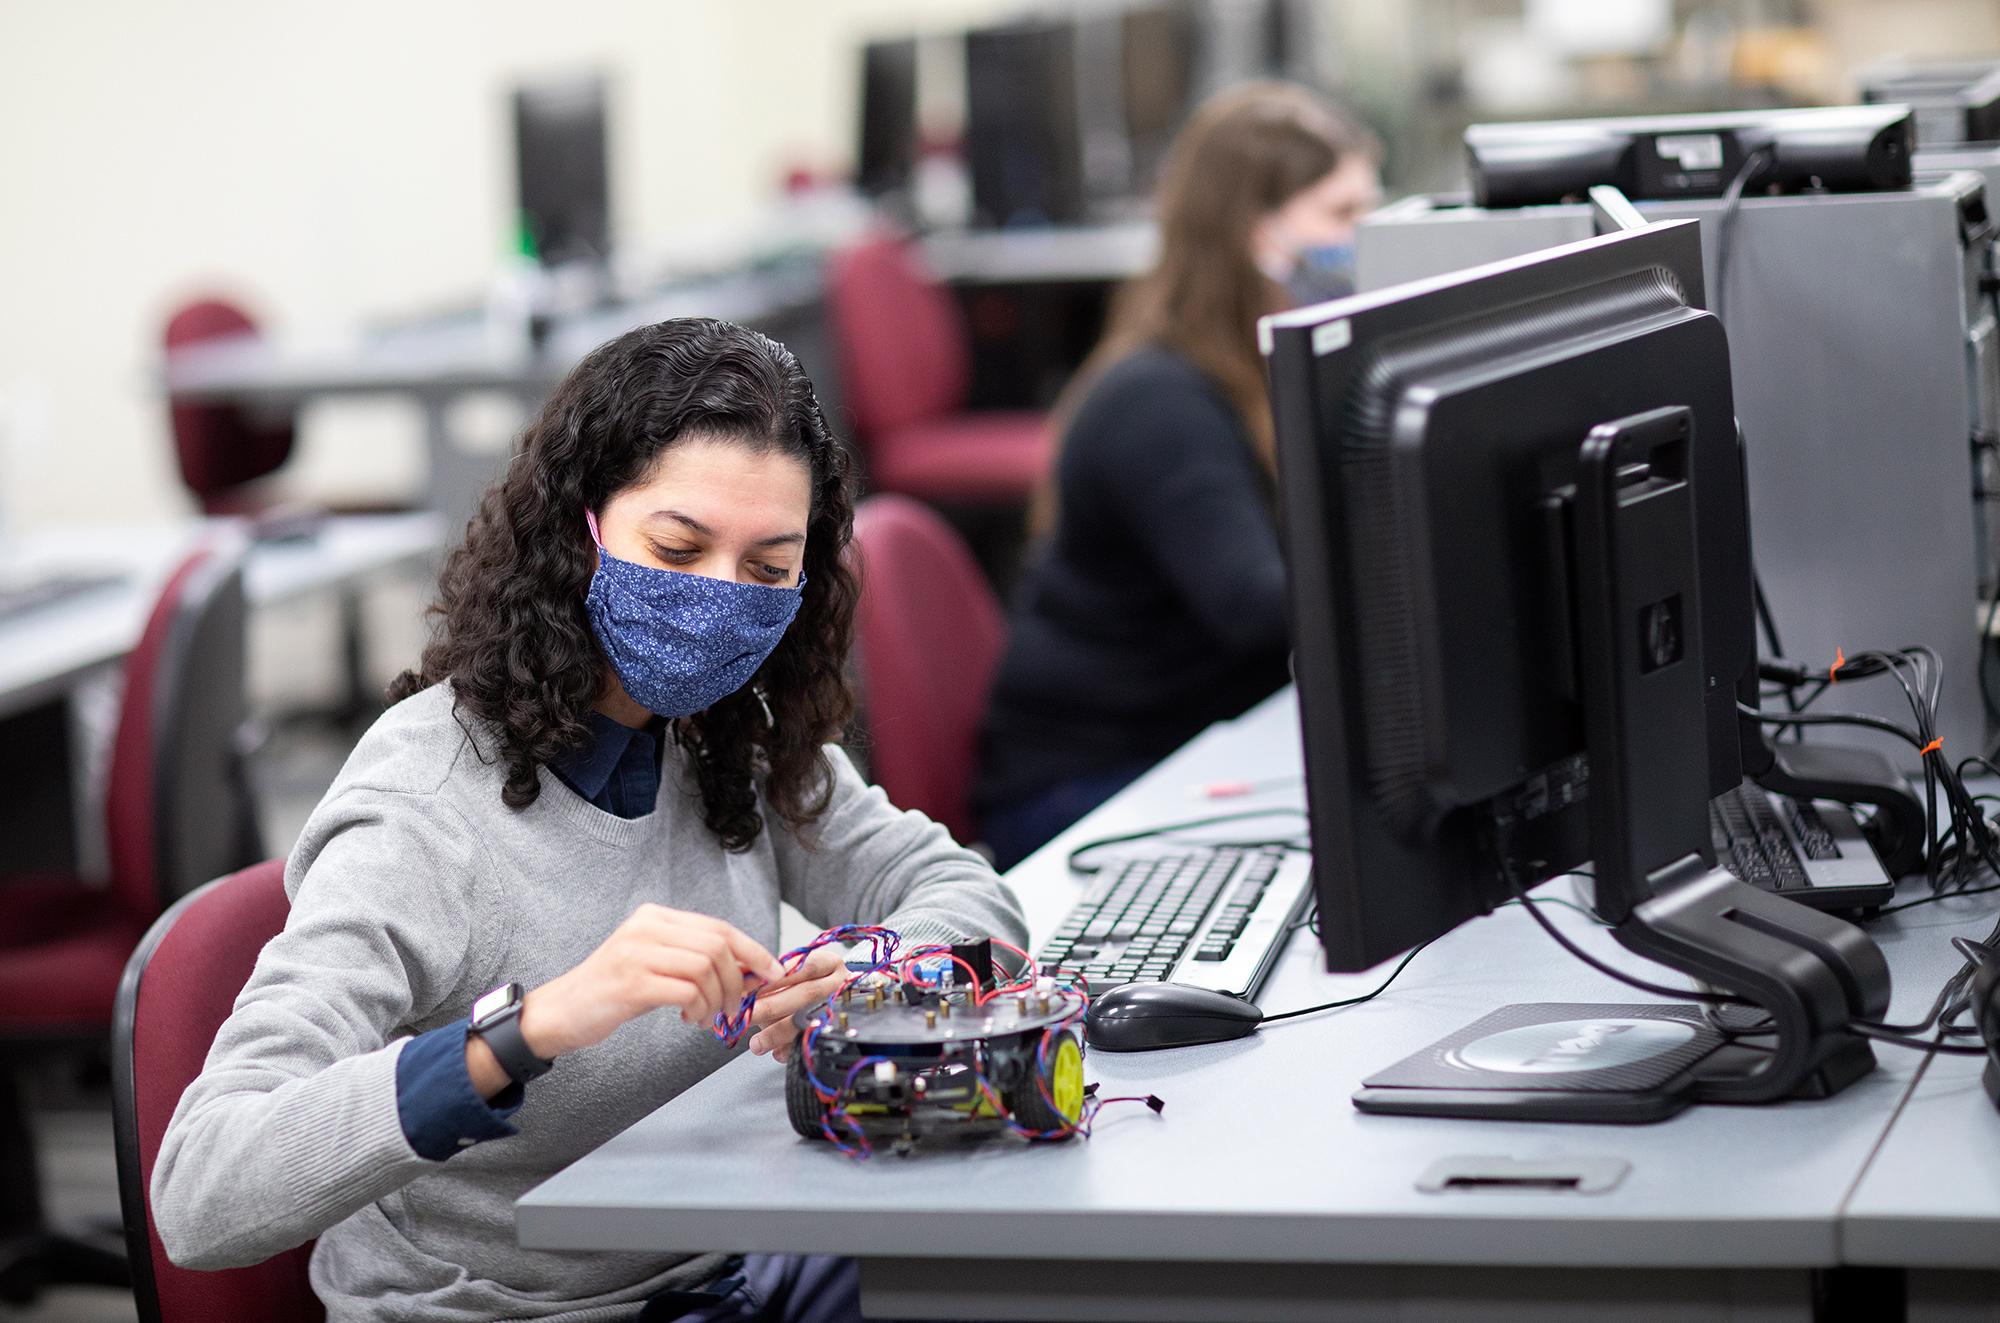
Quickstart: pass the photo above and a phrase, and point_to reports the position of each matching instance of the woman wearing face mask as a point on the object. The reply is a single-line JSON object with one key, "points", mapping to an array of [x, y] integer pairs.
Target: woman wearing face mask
{"points": [[545, 870], [1157, 604]]}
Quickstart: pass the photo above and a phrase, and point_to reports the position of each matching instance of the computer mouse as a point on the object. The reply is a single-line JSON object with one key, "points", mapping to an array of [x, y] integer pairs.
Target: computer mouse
{"points": [[1138, 1017]]}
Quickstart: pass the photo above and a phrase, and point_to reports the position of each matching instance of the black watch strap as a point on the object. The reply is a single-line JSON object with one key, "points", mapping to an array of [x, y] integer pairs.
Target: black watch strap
{"points": [[502, 1032]]}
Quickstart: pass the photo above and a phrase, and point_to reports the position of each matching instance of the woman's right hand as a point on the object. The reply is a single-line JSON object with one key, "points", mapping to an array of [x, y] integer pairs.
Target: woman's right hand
{"points": [[657, 957]]}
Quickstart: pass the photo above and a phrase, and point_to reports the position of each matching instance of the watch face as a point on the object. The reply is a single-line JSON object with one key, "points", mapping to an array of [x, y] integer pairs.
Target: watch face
{"points": [[492, 1004]]}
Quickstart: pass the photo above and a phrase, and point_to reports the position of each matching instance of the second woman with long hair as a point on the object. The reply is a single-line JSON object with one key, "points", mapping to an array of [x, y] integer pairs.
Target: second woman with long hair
{"points": [[1157, 604]]}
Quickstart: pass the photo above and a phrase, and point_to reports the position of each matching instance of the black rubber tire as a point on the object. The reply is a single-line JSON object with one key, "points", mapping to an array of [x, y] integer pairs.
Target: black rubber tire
{"points": [[1027, 1102], [801, 1099]]}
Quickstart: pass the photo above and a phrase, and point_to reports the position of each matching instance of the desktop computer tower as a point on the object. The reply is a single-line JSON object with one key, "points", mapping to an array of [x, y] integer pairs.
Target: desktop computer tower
{"points": [[1863, 353]]}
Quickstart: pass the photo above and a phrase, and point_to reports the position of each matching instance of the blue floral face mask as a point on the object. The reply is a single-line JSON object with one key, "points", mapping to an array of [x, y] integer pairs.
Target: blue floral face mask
{"points": [[682, 642], [1321, 272]]}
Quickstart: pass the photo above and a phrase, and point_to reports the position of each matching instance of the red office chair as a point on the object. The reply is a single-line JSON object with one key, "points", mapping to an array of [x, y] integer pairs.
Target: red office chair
{"points": [[930, 637], [220, 446], [905, 370], [177, 990], [178, 811]]}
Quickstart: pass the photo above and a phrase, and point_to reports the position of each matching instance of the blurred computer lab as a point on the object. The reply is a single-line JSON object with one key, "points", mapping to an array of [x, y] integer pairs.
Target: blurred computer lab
{"points": [[333, 337]]}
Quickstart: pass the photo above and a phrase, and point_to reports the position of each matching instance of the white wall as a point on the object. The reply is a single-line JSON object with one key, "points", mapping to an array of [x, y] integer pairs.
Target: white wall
{"points": [[334, 163]]}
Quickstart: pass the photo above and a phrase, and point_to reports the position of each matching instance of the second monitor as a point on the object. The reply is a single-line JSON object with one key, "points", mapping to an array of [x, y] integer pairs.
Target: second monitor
{"points": [[1521, 601]]}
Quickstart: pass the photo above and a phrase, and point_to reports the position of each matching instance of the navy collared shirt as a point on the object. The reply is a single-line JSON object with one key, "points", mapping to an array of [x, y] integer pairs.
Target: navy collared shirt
{"points": [[619, 769], [619, 772]]}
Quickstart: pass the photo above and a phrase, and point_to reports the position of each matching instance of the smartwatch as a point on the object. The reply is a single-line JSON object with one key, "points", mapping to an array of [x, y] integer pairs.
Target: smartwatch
{"points": [[496, 1018]]}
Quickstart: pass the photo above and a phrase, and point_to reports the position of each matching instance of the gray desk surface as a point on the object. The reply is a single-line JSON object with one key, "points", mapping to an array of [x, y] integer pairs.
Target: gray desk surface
{"points": [[438, 360], [44, 651], [1259, 1155], [453, 354], [1051, 254], [1931, 1197]]}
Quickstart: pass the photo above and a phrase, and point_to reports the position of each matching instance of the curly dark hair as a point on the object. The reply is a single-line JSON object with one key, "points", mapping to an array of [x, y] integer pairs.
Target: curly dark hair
{"points": [[511, 631]]}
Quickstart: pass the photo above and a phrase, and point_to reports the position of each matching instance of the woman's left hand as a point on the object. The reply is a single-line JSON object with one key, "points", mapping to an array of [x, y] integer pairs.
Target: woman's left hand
{"points": [[817, 979]]}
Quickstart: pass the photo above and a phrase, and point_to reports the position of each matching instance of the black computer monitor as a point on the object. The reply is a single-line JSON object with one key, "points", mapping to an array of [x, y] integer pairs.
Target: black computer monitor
{"points": [[886, 157], [1955, 101], [1514, 521], [1837, 148], [1023, 131], [561, 174], [1158, 48]]}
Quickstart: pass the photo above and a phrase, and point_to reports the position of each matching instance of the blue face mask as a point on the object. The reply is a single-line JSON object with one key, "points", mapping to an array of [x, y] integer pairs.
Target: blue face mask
{"points": [[1321, 272], [683, 642]]}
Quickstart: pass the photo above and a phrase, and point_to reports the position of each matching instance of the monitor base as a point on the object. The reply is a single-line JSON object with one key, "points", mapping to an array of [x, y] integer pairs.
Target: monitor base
{"points": [[1586, 1063]]}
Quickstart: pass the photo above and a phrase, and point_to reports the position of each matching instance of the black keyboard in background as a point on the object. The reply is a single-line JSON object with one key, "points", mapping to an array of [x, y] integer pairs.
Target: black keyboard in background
{"points": [[20, 598], [1750, 841]]}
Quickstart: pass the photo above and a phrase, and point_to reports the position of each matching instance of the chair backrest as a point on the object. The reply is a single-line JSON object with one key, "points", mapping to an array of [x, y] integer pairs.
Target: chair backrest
{"points": [[902, 350], [178, 989], [220, 447], [930, 636], [177, 804]]}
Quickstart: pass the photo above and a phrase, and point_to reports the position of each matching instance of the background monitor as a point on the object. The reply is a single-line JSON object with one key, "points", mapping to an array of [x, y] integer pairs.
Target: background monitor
{"points": [[1955, 101], [1428, 440], [1837, 149], [886, 156], [561, 174], [1023, 133]]}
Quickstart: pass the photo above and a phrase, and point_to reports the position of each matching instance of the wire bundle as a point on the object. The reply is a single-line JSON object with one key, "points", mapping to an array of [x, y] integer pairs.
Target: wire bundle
{"points": [[1958, 854], [882, 944]]}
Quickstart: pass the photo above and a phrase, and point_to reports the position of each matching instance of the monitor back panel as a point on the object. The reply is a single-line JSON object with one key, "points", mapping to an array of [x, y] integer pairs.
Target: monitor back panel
{"points": [[1862, 354]]}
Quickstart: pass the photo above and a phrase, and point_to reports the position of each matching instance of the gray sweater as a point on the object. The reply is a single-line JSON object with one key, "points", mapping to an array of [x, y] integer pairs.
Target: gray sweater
{"points": [[413, 891]]}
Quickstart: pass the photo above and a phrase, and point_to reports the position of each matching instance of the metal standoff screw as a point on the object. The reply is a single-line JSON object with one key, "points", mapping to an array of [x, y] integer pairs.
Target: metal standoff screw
{"points": [[944, 1009], [930, 1019], [874, 999], [843, 1019], [1042, 1007]]}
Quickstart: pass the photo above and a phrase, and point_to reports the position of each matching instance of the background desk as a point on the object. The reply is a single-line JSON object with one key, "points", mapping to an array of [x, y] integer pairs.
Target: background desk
{"points": [[46, 650], [435, 362], [1930, 1200], [49, 651], [1261, 1193], [1096, 254], [1034, 303]]}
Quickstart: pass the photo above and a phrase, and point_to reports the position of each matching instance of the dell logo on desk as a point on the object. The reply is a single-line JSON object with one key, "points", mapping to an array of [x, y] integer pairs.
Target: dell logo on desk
{"points": [[1567, 1046]]}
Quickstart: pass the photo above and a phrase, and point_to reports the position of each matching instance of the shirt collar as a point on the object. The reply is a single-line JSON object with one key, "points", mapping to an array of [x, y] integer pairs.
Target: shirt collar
{"points": [[588, 769]]}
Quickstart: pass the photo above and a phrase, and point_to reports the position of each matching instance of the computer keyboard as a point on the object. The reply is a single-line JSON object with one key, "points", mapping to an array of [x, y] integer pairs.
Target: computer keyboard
{"points": [[1811, 851], [32, 594], [1212, 917]]}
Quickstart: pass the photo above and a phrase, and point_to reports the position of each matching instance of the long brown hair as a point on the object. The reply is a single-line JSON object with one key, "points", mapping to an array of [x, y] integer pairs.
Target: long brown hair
{"points": [[1243, 154]]}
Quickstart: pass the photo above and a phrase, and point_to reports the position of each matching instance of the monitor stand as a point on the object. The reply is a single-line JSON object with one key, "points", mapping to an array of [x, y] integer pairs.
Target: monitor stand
{"points": [[1846, 774], [1631, 537]]}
